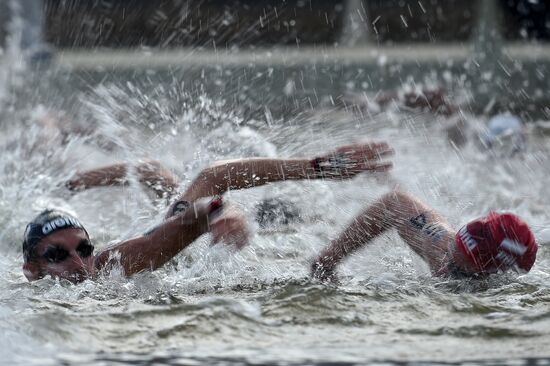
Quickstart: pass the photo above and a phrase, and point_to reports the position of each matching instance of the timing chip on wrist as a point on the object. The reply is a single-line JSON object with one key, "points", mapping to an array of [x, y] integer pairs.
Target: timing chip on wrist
{"points": [[180, 207], [333, 165]]}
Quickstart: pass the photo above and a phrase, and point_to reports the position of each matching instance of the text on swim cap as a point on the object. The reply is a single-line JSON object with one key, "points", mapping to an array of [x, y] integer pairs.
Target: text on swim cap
{"points": [[505, 260], [60, 222], [467, 238], [513, 246], [507, 248]]}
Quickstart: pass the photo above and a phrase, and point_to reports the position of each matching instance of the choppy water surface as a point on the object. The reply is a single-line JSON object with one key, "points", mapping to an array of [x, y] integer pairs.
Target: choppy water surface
{"points": [[258, 305]]}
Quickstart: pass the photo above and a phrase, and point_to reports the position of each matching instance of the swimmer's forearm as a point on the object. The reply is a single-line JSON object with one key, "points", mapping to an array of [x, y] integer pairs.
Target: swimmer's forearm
{"points": [[154, 249], [342, 163], [106, 176], [150, 173], [364, 228], [247, 173]]}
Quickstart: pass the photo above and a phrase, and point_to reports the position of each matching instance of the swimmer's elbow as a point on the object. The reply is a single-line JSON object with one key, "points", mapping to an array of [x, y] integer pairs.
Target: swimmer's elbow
{"points": [[396, 196]]}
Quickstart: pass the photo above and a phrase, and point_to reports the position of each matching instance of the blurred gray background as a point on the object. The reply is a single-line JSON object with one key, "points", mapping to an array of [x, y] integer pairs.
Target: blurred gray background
{"points": [[498, 50]]}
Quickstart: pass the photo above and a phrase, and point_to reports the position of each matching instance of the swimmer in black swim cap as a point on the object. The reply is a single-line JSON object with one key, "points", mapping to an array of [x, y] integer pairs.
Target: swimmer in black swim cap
{"points": [[55, 243], [58, 245]]}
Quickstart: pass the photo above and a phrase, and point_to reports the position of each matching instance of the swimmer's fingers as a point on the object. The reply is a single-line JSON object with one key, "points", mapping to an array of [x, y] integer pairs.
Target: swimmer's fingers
{"points": [[322, 272], [230, 228], [351, 170], [367, 151], [60, 190], [383, 152], [350, 160], [368, 168], [378, 167], [75, 185], [376, 151]]}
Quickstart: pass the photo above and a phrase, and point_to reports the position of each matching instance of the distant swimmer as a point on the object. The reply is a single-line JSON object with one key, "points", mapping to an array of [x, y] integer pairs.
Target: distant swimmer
{"points": [[433, 100], [421, 101], [491, 244], [505, 135], [276, 212], [57, 244]]}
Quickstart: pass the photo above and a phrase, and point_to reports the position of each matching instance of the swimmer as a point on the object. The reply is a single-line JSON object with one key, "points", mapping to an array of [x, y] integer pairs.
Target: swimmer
{"points": [[275, 212], [491, 244], [450, 119], [56, 243], [505, 135], [432, 100]]}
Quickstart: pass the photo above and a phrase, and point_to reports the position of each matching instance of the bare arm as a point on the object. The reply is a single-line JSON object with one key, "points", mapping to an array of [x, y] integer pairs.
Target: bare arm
{"points": [[247, 173], [424, 230], [343, 163], [150, 173], [155, 248]]}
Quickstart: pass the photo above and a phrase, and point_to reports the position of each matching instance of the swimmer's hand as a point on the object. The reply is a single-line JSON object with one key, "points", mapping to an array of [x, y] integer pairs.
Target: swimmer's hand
{"points": [[75, 184], [229, 227], [350, 160], [112, 175], [78, 183], [323, 271]]}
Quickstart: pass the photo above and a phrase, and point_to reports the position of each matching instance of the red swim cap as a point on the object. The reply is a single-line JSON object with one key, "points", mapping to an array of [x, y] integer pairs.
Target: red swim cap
{"points": [[498, 242]]}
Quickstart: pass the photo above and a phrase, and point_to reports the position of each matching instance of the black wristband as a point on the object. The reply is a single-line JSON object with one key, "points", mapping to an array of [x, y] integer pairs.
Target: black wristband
{"points": [[179, 207], [316, 165], [332, 165]]}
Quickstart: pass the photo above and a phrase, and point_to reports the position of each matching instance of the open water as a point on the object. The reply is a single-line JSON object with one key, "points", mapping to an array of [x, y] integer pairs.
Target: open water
{"points": [[213, 305]]}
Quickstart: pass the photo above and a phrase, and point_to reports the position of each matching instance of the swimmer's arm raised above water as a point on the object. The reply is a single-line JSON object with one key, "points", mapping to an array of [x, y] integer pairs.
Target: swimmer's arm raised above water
{"points": [[158, 246], [424, 230], [343, 163], [150, 173]]}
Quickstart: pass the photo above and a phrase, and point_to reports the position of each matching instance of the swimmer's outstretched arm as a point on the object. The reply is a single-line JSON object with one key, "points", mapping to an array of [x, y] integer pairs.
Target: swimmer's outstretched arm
{"points": [[150, 173], [158, 246], [424, 230], [343, 163]]}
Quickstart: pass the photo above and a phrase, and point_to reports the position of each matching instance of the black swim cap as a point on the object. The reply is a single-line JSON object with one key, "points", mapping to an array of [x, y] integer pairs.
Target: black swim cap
{"points": [[43, 225]]}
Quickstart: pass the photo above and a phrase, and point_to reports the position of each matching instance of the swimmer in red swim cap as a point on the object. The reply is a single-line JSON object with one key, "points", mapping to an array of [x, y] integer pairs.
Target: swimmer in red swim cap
{"points": [[495, 243]]}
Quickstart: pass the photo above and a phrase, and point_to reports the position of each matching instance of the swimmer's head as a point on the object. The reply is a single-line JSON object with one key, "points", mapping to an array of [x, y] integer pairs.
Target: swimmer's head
{"points": [[505, 135], [498, 242], [57, 244], [273, 212]]}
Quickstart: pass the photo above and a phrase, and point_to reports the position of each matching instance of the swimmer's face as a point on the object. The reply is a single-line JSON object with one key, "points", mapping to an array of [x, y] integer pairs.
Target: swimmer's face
{"points": [[65, 254]]}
